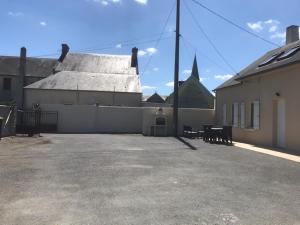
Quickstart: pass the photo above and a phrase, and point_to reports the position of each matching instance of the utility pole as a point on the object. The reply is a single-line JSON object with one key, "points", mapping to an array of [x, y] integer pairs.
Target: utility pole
{"points": [[176, 72]]}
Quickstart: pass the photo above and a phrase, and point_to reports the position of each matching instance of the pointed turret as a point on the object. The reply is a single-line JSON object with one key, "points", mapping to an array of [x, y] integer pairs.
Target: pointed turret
{"points": [[195, 71]]}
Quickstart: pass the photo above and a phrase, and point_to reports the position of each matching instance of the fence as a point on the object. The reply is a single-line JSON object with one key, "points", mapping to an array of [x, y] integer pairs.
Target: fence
{"points": [[8, 113], [34, 122]]}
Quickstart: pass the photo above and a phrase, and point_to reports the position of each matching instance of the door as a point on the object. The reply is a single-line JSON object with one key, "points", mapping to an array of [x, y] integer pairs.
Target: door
{"points": [[281, 123]]}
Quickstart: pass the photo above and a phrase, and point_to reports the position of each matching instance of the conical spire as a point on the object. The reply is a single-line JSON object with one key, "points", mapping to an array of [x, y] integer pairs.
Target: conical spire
{"points": [[195, 71]]}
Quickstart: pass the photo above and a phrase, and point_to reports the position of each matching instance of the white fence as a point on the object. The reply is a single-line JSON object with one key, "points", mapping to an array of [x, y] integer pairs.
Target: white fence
{"points": [[106, 119]]}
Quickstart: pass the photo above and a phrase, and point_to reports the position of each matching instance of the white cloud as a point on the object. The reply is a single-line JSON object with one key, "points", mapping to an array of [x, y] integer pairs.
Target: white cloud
{"points": [[104, 2], [151, 51], [279, 35], [43, 23], [142, 2], [223, 77], [142, 53], [170, 84], [155, 69], [148, 87], [256, 26], [271, 24], [186, 72], [15, 14], [119, 46]]}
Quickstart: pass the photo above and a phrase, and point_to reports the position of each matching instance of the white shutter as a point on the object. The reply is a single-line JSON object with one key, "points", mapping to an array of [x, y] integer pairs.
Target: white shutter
{"points": [[236, 114], [224, 114], [256, 117], [242, 117]]}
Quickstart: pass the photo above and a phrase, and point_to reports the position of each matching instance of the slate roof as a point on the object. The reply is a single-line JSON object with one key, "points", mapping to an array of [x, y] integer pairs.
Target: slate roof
{"points": [[155, 98], [36, 67], [254, 68], [96, 63], [86, 81], [93, 72]]}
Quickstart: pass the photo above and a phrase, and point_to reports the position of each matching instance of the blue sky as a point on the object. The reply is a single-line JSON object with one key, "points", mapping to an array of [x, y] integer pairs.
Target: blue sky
{"points": [[115, 26]]}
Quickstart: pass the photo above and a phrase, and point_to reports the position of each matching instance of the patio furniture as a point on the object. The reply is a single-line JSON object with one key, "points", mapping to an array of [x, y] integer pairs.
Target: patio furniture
{"points": [[227, 134], [189, 133], [207, 133]]}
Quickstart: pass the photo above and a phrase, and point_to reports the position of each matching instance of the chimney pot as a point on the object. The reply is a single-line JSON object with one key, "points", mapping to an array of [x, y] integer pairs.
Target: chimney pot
{"points": [[64, 51], [292, 34]]}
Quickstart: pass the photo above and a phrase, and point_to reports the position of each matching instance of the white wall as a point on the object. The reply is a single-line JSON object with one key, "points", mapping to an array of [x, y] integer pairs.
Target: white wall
{"points": [[106, 119]]}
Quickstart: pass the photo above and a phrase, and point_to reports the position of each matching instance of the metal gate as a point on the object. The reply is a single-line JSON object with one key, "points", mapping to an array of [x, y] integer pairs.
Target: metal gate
{"points": [[35, 122]]}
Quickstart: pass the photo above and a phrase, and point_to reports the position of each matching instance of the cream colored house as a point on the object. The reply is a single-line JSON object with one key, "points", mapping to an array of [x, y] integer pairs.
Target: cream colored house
{"points": [[262, 101]]}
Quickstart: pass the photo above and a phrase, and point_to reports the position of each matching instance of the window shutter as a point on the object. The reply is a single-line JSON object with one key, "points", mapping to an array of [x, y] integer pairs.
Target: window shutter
{"points": [[236, 114], [256, 117], [242, 117], [224, 114]]}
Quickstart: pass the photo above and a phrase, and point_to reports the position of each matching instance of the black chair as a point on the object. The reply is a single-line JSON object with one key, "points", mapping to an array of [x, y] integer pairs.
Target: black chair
{"points": [[227, 134], [189, 133], [207, 135]]}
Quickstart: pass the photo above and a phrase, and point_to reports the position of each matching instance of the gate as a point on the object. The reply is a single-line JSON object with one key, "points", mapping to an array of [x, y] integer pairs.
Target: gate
{"points": [[35, 122]]}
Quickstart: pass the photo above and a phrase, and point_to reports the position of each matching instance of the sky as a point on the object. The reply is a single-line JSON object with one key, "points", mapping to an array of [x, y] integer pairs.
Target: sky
{"points": [[116, 26]]}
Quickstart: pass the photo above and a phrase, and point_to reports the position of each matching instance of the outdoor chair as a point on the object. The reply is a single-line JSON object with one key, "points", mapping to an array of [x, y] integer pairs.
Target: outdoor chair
{"points": [[207, 135], [189, 133], [227, 134]]}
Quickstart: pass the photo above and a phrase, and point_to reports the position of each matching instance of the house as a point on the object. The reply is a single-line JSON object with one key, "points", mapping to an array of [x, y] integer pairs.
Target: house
{"points": [[17, 72], [89, 79], [192, 93], [262, 101]]}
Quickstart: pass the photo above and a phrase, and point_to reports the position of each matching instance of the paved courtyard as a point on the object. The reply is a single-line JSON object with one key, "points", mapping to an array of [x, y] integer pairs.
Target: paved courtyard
{"points": [[131, 179]]}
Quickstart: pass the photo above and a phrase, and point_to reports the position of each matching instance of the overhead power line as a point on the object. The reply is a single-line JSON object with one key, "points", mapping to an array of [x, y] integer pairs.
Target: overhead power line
{"points": [[125, 43], [234, 24], [160, 37], [209, 40], [185, 40]]}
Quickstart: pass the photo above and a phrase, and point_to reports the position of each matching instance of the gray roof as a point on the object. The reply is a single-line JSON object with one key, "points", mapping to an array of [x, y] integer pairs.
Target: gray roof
{"points": [[255, 69], [96, 63], [155, 98], [36, 67], [85, 81]]}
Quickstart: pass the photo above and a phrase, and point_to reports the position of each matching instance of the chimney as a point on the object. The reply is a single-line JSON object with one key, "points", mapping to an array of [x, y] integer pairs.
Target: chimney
{"points": [[22, 74], [64, 51], [292, 34], [134, 59]]}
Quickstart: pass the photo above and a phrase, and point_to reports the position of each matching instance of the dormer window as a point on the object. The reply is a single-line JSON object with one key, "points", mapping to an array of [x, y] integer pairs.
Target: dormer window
{"points": [[289, 53], [270, 59]]}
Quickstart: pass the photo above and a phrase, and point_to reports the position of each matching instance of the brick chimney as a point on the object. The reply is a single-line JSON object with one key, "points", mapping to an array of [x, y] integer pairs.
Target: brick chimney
{"points": [[134, 59], [64, 51], [292, 34], [22, 74]]}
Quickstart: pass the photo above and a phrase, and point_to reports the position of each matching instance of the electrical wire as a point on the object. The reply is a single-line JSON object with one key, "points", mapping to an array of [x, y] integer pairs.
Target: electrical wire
{"points": [[160, 37], [208, 39], [234, 24]]}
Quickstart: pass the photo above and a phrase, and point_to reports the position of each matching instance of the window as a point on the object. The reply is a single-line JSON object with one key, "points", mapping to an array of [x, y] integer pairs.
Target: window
{"points": [[235, 114], [242, 115], [270, 59], [255, 117], [289, 53], [7, 84], [224, 114]]}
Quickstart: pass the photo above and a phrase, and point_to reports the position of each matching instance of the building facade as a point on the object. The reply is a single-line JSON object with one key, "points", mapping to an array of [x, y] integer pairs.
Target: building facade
{"points": [[262, 101]]}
